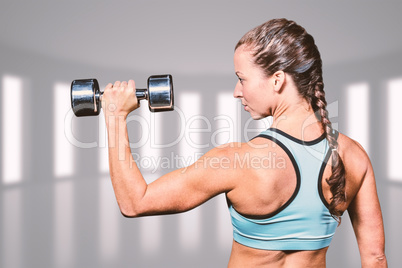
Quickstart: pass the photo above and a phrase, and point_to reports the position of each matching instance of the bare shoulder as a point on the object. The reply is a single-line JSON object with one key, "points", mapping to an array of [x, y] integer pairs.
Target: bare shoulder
{"points": [[237, 156], [229, 153], [353, 153], [227, 150], [355, 158], [224, 156]]}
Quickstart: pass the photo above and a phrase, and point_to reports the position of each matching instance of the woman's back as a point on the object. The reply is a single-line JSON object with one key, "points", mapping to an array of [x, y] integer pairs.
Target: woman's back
{"points": [[269, 181]]}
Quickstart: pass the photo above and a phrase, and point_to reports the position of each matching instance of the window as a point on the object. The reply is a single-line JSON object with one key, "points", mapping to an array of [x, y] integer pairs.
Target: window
{"points": [[394, 129], [63, 149], [228, 124], [190, 231], [358, 114], [12, 129]]}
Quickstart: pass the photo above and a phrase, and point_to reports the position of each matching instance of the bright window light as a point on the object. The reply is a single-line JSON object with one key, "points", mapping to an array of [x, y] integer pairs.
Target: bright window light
{"points": [[12, 129], [394, 129], [103, 145], [228, 120], [358, 113], [146, 153], [190, 222], [63, 149], [190, 104], [146, 150], [228, 127]]}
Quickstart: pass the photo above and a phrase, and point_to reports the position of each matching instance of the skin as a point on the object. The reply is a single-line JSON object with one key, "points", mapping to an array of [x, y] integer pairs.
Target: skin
{"points": [[251, 189]]}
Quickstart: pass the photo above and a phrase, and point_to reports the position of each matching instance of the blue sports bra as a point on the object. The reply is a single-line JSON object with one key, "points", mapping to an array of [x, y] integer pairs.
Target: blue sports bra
{"points": [[304, 221]]}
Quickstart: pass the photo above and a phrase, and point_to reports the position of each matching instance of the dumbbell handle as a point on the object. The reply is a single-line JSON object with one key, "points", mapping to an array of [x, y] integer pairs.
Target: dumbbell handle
{"points": [[140, 93]]}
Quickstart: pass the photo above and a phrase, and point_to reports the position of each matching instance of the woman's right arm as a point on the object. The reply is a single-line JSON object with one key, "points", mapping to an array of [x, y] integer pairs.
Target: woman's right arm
{"points": [[365, 214], [177, 191]]}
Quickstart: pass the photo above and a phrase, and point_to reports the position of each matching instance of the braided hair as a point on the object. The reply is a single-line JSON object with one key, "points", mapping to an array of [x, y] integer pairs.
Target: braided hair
{"points": [[283, 45]]}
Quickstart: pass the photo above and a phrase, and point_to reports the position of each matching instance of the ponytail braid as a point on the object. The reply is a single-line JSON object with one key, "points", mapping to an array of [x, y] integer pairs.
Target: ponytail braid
{"points": [[337, 179], [281, 44]]}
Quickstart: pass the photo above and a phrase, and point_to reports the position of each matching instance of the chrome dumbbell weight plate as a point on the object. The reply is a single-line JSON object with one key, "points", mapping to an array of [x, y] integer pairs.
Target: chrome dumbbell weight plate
{"points": [[85, 99], [160, 93]]}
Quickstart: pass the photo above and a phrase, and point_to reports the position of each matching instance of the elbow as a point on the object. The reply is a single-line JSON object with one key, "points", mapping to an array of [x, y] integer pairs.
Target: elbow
{"points": [[133, 208], [378, 256], [380, 260], [128, 215], [129, 211], [375, 260]]}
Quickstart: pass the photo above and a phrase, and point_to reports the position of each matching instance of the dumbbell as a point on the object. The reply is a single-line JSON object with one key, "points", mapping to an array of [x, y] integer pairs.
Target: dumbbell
{"points": [[86, 96]]}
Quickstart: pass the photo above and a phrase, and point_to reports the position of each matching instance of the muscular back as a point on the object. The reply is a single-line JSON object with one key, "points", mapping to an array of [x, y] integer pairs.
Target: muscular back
{"points": [[266, 180], [266, 177], [262, 190]]}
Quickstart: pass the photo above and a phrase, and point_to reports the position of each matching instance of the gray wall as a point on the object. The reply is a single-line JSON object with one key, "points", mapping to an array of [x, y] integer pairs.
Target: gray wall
{"points": [[51, 221]]}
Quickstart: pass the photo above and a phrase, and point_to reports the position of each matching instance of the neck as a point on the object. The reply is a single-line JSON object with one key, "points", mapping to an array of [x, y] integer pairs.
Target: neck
{"points": [[297, 119]]}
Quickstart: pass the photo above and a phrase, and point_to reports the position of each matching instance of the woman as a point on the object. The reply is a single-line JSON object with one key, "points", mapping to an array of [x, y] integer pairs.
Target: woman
{"points": [[283, 215]]}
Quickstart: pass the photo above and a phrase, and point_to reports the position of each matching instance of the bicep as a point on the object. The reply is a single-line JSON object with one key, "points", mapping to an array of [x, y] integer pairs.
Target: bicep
{"points": [[187, 188]]}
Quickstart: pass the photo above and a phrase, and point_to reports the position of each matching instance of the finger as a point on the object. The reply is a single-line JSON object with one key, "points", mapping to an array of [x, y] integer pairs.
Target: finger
{"points": [[123, 84], [131, 84], [109, 86], [116, 84]]}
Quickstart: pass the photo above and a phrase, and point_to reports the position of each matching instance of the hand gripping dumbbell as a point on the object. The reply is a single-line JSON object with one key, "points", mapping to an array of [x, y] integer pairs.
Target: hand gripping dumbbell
{"points": [[86, 96]]}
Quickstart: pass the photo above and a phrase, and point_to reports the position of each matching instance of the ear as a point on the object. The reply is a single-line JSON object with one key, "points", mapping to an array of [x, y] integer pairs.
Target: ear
{"points": [[278, 80]]}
